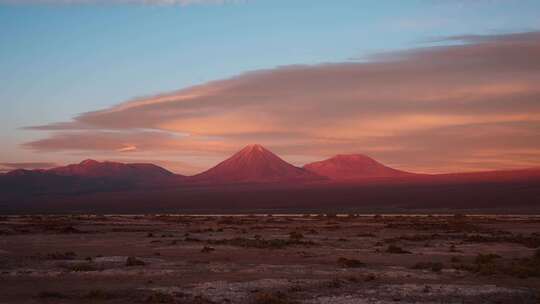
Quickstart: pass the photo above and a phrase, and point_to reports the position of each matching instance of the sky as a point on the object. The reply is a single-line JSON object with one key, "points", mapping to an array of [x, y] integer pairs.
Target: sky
{"points": [[425, 86]]}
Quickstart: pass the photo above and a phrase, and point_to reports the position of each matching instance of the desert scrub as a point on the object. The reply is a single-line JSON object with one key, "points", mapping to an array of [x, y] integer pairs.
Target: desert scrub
{"points": [[263, 297], [260, 243], [396, 249], [530, 241], [486, 258], [83, 267], [433, 266], [133, 261], [491, 264], [98, 294], [207, 249], [51, 295], [455, 259], [295, 235], [160, 297], [350, 263], [68, 255]]}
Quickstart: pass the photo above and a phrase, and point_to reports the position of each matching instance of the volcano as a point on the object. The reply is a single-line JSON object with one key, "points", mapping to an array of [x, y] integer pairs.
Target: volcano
{"points": [[353, 167], [254, 164]]}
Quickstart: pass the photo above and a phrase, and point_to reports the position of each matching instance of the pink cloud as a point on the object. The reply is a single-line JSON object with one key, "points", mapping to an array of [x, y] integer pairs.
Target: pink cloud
{"points": [[427, 109]]}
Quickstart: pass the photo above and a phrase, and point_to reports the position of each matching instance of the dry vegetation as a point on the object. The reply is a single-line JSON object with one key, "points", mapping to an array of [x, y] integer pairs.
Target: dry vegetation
{"points": [[322, 258]]}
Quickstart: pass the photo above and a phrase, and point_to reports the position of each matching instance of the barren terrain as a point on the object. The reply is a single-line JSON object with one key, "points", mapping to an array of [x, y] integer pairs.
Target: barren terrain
{"points": [[269, 259]]}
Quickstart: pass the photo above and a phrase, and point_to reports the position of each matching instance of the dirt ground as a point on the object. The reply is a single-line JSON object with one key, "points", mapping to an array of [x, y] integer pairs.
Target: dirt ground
{"points": [[269, 259]]}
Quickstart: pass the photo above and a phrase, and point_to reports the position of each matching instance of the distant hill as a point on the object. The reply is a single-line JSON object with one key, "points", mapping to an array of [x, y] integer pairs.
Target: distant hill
{"points": [[88, 176], [92, 168], [256, 179], [352, 167]]}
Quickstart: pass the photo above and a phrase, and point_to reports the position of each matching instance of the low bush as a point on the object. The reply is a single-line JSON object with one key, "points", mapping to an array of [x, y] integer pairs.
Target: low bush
{"points": [[433, 266], [83, 267], [271, 298], [207, 249], [350, 263], [260, 243], [68, 255], [51, 295], [396, 249], [133, 261]]}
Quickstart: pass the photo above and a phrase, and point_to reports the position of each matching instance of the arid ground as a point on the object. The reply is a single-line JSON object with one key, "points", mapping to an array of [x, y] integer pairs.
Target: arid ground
{"points": [[269, 259]]}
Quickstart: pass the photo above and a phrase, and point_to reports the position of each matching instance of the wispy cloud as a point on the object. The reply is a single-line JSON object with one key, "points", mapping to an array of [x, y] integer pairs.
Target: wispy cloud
{"points": [[428, 109], [26, 165]]}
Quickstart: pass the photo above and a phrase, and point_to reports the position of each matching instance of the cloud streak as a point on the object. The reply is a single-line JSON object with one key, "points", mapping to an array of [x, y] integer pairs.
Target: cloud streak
{"points": [[430, 109], [26, 165]]}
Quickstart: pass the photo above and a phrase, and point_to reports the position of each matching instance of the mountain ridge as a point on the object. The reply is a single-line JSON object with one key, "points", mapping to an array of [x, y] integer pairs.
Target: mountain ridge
{"points": [[353, 166]]}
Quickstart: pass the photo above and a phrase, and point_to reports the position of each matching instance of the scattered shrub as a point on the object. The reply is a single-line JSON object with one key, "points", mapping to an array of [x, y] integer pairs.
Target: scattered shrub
{"points": [[334, 283], [350, 263], [260, 243], [133, 261], [486, 258], [490, 264], [271, 298], [69, 255], [83, 267], [98, 294], [396, 249], [455, 260], [433, 266], [207, 249], [160, 297], [51, 295], [370, 277], [295, 235]]}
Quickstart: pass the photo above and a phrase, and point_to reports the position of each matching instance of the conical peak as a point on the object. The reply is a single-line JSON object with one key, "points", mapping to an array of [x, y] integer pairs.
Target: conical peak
{"points": [[254, 148], [89, 162], [254, 163], [255, 153]]}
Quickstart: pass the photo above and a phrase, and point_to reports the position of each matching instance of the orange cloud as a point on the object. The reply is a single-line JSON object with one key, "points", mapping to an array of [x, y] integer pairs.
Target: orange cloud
{"points": [[427, 109]]}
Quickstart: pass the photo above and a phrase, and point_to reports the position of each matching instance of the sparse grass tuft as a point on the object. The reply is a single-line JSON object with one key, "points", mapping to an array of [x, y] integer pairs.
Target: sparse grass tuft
{"points": [[260, 243], [98, 294], [51, 295], [397, 250], [83, 267], [491, 264], [295, 235], [271, 298], [133, 261], [433, 266], [207, 249], [350, 263], [69, 255], [160, 297]]}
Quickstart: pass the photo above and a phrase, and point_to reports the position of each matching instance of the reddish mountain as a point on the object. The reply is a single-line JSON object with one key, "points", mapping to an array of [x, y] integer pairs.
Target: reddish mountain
{"points": [[92, 168], [254, 164], [353, 167], [89, 176]]}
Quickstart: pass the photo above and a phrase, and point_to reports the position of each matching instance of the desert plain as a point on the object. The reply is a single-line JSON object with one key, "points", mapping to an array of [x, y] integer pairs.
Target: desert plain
{"points": [[261, 258]]}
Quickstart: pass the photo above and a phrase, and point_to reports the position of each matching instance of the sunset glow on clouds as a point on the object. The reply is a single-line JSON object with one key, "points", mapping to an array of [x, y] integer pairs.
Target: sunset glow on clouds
{"points": [[473, 104]]}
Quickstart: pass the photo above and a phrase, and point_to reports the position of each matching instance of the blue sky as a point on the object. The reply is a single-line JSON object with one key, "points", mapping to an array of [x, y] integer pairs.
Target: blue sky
{"points": [[60, 60]]}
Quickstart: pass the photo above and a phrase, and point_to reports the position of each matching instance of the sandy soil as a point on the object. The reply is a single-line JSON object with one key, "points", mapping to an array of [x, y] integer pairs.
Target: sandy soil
{"points": [[269, 259]]}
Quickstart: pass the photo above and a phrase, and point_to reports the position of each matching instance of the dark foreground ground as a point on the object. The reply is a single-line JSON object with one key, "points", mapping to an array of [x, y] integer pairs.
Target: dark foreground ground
{"points": [[269, 259]]}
